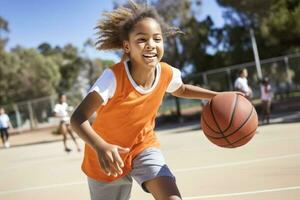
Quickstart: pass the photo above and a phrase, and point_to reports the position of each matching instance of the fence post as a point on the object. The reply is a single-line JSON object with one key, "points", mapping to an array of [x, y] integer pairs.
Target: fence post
{"points": [[287, 69], [52, 102], [289, 78], [31, 118], [228, 72], [255, 52], [205, 79], [18, 116]]}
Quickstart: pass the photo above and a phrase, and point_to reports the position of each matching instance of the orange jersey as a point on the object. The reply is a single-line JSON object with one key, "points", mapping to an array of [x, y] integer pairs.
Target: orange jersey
{"points": [[127, 120]]}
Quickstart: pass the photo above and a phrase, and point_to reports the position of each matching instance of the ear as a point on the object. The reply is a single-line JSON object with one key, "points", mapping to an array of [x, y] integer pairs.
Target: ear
{"points": [[126, 46]]}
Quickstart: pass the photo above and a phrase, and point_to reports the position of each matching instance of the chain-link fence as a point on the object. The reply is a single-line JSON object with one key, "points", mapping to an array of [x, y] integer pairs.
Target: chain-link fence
{"points": [[36, 113], [284, 74]]}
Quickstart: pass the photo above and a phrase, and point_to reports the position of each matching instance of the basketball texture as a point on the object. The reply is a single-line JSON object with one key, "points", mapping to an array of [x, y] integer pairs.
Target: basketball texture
{"points": [[229, 120]]}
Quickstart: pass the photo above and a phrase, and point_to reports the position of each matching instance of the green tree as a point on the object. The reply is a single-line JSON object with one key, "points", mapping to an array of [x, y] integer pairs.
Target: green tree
{"points": [[4, 29], [26, 74], [282, 26], [45, 49], [93, 67], [276, 24], [9, 67], [69, 61], [70, 67]]}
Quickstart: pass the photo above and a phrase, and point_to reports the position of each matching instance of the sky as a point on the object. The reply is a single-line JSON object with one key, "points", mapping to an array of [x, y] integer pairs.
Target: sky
{"points": [[58, 22]]}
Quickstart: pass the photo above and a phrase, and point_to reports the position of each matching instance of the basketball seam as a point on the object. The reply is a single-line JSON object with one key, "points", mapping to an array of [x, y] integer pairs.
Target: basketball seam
{"points": [[237, 128], [212, 113], [241, 138], [221, 136], [209, 126], [233, 112], [242, 123]]}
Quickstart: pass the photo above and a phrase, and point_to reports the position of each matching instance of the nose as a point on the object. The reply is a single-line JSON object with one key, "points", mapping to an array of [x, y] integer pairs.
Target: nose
{"points": [[150, 44]]}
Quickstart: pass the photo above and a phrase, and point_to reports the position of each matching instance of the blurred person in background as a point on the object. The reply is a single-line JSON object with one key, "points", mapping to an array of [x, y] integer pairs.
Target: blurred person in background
{"points": [[241, 84], [4, 126], [61, 111], [266, 99]]}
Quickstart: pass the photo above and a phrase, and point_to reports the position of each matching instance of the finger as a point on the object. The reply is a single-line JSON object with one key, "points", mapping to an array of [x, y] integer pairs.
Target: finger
{"points": [[109, 157], [113, 166], [123, 150], [118, 162], [113, 169], [114, 173], [105, 166]]}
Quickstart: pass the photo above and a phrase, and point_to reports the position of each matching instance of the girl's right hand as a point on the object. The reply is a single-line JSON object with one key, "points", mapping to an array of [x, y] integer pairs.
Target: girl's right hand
{"points": [[109, 158]]}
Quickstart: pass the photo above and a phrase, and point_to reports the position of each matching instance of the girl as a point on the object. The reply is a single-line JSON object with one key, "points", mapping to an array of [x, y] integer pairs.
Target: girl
{"points": [[121, 143], [61, 111], [266, 99], [4, 126], [241, 84]]}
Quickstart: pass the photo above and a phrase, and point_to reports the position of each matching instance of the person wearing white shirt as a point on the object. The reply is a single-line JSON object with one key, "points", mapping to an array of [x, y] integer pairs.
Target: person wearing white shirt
{"points": [[266, 99], [4, 126], [61, 111], [241, 84]]}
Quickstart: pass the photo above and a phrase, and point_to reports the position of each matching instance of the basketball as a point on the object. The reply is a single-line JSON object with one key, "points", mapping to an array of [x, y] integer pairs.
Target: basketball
{"points": [[229, 120]]}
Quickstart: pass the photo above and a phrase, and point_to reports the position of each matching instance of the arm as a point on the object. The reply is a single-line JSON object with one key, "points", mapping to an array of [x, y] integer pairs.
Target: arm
{"points": [[238, 86], [79, 120], [240, 90], [108, 154], [9, 123], [56, 115], [55, 111], [194, 92]]}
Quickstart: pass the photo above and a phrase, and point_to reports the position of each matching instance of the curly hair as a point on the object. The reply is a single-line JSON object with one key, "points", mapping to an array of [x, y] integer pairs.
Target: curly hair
{"points": [[117, 25]]}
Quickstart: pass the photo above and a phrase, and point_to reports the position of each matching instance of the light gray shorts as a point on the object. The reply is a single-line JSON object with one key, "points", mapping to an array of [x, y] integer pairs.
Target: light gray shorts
{"points": [[148, 165]]}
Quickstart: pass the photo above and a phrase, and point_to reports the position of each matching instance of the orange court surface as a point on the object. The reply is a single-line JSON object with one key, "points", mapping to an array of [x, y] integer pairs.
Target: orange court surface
{"points": [[267, 168]]}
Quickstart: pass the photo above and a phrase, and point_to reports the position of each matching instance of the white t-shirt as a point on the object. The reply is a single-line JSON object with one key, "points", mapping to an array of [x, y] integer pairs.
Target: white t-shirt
{"points": [[4, 121], [106, 84], [242, 84], [61, 111], [266, 95]]}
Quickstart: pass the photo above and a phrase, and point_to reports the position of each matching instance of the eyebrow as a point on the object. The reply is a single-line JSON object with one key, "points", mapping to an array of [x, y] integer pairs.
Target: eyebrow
{"points": [[141, 33]]}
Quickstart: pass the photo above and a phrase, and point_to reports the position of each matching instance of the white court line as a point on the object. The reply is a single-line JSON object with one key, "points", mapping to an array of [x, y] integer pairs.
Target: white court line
{"points": [[41, 187], [75, 157], [63, 157], [178, 170], [243, 193], [237, 163]]}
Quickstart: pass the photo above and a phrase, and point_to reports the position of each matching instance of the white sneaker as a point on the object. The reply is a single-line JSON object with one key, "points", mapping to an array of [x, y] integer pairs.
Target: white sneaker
{"points": [[6, 144]]}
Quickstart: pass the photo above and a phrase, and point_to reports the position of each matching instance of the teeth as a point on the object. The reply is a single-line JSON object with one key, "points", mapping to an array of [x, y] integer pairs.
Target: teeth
{"points": [[149, 55]]}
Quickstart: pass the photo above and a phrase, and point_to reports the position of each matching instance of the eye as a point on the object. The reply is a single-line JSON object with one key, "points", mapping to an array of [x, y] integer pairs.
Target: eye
{"points": [[157, 39], [141, 40]]}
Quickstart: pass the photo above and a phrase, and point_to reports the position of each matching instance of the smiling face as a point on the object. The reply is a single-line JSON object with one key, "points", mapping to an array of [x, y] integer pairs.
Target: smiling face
{"points": [[145, 45]]}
